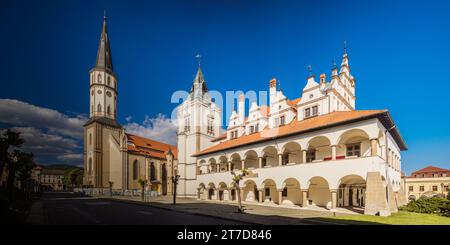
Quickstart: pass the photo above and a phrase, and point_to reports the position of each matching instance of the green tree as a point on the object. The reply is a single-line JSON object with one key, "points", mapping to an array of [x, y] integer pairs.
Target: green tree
{"points": [[143, 184], [73, 177], [237, 177], [25, 164], [9, 139]]}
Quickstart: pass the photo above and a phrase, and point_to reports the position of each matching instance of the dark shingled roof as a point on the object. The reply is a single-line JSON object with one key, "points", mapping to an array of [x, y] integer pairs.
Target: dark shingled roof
{"points": [[104, 58], [104, 121]]}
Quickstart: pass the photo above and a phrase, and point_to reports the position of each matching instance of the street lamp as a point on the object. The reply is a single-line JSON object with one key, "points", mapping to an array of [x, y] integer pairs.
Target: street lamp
{"points": [[175, 183]]}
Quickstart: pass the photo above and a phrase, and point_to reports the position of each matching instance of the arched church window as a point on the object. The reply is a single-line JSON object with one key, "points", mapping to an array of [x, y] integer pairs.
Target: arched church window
{"points": [[90, 139], [135, 169], [90, 166], [99, 108], [152, 171], [109, 81], [92, 109], [99, 78], [109, 110]]}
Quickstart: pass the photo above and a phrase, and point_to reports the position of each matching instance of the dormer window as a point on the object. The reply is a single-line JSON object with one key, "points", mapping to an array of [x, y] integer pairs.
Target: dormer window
{"points": [[282, 120], [315, 110], [307, 112]]}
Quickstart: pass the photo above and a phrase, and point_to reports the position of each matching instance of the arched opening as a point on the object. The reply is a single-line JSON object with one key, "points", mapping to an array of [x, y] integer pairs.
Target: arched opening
{"points": [[292, 194], [90, 166], [291, 153], [212, 166], [319, 192], [202, 193], [99, 78], [99, 108], [164, 179], [90, 139], [223, 192], [233, 192], [236, 162], [135, 169], [352, 191], [269, 157], [152, 172], [108, 110], [223, 163], [319, 149], [251, 160], [250, 191], [411, 198], [352, 144], [203, 167], [211, 191], [270, 192]]}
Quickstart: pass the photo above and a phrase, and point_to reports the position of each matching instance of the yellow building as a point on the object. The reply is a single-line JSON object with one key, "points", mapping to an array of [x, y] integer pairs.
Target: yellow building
{"points": [[428, 182]]}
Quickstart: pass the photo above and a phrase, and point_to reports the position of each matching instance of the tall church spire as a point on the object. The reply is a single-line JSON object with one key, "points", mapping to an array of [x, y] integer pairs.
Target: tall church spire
{"points": [[104, 58], [199, 83]]}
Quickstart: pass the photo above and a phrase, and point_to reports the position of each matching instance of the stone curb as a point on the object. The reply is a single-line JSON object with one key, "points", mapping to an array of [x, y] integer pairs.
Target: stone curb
{"points": [[208, 215]]}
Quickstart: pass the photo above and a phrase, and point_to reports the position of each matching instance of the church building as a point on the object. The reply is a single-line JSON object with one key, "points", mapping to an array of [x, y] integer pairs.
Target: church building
{"points": [[111, 154]]}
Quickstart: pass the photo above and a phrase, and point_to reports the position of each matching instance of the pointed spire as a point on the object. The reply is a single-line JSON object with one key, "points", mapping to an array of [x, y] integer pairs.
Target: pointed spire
{"points": [[104, 58], [199, 80], [344, 65]]}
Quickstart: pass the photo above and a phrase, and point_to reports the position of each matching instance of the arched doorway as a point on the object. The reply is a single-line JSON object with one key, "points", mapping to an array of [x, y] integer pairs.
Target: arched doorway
{"points": [[319, 192], [250, 191], [270, 192], [292, 195], [164, 179], [352, 191]]}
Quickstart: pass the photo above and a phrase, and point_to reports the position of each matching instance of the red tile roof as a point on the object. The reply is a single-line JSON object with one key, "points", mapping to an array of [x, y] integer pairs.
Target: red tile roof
{"points": [[149, 147], [429, 171], [311, 124]]}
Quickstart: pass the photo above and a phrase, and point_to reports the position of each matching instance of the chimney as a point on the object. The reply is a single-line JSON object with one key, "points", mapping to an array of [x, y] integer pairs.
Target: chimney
{"points": [[241, 107], [272, 90]]}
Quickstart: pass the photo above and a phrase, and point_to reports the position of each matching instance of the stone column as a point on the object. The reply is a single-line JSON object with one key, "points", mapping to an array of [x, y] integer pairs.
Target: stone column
{"points": [[374, 147], [229, 166], [280, 159], [260, 195], [241, 193], [333, 152], [303, 156], [304, 198], [280, 197], [217, 193], [217, 168], [230, 198], [242, 164], [260, 162], [333, 199]]}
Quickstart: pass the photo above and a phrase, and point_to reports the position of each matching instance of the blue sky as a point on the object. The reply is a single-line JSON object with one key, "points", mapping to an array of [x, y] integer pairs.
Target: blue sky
{"points": [[399, 53]]}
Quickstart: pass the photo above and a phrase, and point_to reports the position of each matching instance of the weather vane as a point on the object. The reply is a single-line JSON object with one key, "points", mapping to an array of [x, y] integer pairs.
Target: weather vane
{"points": [[198, 57], [345, 47], [309, 67], [104, 14], [334, 63]]}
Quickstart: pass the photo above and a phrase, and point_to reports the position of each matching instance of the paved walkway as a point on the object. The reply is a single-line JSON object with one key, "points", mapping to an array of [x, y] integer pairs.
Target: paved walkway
{"points": [[254, 213]]}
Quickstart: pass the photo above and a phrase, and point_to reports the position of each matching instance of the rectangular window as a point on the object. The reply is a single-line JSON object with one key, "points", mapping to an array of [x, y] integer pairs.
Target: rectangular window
{"points": [[354, 150], [315, 110], [252, 129], [310, 155], [282, 120], [435, 188], [421, 188], [411, 188], [307, 112]]}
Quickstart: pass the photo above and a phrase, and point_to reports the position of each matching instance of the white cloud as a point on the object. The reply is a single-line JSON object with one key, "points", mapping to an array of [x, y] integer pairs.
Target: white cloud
{"points": [[159, 128], [20, 113]]}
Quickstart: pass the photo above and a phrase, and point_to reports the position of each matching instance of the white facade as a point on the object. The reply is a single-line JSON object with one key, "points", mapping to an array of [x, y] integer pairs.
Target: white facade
{"points": [[313, 150]]}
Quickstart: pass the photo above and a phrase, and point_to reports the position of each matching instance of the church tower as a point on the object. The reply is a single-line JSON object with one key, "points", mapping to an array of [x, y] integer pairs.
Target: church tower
{"points": [[199, 121], [104, 147], [103, 82]]}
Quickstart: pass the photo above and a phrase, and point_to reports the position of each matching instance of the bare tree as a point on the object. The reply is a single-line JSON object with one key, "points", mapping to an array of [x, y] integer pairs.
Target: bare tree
{"points": [[237, 177]]}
